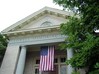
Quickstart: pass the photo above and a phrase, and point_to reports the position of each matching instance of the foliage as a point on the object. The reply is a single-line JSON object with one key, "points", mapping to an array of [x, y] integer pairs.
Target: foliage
{"points": [[76, 72], [96, 65], [81, 32], [3, 44], [95, 72]]}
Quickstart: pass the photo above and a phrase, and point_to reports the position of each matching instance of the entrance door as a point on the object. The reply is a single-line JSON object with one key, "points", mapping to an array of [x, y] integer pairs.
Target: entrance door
{"points": [[52, 72]]}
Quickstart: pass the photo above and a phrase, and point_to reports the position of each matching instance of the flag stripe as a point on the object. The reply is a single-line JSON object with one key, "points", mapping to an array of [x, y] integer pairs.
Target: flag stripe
{"points": [[53, 59], [49, 59]]}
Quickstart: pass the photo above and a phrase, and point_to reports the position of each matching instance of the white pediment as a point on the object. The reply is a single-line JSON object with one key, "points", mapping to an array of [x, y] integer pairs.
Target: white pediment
{"points": [[44, 21], [46, 17]]}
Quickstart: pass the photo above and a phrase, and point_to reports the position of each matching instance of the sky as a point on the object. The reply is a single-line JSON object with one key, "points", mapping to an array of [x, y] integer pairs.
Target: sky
{"points": [[11, 11]]}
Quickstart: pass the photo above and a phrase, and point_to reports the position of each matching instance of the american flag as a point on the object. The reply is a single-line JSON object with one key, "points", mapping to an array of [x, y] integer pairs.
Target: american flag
{"points": [[46, 58]]}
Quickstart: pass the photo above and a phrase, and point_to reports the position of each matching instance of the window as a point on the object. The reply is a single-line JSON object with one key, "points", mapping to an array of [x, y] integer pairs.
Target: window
{"points": [[36, 71], [62, 60], [55, 60], [37, 61], [46, 23]]}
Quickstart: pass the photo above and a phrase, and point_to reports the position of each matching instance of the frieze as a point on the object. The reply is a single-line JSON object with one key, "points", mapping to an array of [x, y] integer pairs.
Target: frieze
{"points": [[38, 39]]}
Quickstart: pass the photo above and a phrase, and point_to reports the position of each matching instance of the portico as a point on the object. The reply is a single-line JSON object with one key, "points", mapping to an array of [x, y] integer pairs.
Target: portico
{"points": [[26, 37]]}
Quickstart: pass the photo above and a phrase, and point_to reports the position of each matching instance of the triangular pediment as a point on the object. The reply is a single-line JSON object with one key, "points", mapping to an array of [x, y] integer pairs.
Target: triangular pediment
{"points": [[43, 21], [46, 17]]}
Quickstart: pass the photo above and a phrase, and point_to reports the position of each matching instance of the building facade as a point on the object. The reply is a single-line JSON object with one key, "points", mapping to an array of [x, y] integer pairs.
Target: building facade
{"points": [[28, 35]]}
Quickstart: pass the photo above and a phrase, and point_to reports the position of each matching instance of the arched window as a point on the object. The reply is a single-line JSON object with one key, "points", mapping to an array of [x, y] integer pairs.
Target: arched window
{"points": [[46, 23]]}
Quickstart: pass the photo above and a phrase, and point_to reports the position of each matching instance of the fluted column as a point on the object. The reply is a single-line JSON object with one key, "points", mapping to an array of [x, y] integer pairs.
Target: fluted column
{"points": [[21, 61], [69, 55]]}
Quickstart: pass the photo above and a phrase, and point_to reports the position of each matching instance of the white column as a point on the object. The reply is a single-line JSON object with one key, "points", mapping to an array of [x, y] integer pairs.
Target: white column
{"points": [[10, 58], [69, 55], [21, 61]]}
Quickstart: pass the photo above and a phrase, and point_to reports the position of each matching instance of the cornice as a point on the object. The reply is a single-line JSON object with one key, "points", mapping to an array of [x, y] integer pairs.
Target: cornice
{"points": [[39, 30]]}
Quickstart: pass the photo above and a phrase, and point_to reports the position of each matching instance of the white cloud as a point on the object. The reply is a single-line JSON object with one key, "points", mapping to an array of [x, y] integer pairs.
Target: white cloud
{"points": [[12, 11]]}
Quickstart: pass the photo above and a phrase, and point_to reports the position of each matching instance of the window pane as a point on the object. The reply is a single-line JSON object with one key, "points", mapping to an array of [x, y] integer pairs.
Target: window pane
{"points": [[62, 60], [37, 61], [36, 71], [55, 60]]}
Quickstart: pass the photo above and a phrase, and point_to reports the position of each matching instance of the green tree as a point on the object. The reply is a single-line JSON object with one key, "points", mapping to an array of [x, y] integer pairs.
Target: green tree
{"points": [[81, 33], [3, 44]]}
